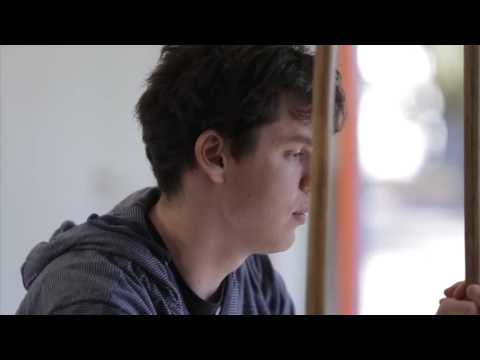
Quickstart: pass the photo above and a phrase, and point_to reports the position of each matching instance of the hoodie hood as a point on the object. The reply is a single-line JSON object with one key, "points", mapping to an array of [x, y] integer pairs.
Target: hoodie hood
{"points": [[111, 234]]}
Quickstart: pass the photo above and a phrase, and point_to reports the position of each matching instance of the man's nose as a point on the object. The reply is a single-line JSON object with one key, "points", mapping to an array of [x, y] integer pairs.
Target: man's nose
{"points": [[305, 180]]}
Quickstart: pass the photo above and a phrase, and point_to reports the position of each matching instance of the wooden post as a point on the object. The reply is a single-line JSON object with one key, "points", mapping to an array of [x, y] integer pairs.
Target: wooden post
{"points": [[471, 166], [323, 131]]}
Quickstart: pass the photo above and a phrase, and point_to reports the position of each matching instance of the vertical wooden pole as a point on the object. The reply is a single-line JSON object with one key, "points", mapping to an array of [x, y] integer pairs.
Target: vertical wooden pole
{"points": [[323, 131], [471, 167]]}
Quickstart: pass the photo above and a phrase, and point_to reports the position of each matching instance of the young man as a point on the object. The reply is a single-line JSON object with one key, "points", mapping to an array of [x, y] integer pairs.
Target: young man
{"points": [[228, 135]]}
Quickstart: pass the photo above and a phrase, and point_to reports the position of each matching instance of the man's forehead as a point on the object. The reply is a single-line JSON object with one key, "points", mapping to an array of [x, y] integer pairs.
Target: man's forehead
{"points": [[298, 138], [288, 130], [292, 124]]}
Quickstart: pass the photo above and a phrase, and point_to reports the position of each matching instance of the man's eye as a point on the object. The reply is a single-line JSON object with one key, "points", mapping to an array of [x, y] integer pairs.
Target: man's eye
{"points": [[296, 155]]}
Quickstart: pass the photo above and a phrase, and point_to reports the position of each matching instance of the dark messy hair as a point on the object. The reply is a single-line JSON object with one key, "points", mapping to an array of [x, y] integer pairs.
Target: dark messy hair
{"points": [[228, 88]]}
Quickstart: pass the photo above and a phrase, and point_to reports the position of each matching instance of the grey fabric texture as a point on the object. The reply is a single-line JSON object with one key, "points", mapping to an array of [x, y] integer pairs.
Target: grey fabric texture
{"points": [[113, 265]]}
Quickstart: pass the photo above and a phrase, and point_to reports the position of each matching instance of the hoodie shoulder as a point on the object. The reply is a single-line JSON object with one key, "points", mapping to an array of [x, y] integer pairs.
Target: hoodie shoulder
{"points": [[109, 262], [86, 279]]}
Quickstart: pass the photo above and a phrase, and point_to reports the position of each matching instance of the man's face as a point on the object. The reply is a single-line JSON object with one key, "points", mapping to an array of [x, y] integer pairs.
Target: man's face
{"points": [[267, 193]]}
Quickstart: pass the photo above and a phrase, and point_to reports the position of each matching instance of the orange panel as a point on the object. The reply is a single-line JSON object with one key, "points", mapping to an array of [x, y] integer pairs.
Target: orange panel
{"points": [[347, 190]]}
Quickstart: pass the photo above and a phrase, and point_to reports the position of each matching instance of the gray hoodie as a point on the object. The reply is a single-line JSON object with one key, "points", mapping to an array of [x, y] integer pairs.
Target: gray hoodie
{"points": [[113, 264]]}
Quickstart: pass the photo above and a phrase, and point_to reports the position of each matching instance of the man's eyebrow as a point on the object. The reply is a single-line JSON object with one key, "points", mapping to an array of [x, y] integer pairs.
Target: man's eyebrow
{"points": [[298, 139]]}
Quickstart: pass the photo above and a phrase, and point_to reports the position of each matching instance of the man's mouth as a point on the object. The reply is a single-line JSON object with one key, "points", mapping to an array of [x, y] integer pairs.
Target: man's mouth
{"points": [[300, 216]]}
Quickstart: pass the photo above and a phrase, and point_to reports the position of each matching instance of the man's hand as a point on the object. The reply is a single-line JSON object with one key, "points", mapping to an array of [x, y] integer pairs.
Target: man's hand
{"points": [[460, 300]]}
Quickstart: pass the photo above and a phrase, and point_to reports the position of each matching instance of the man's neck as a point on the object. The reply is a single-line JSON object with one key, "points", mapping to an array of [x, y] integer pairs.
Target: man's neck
{"points": [[201, 249]]}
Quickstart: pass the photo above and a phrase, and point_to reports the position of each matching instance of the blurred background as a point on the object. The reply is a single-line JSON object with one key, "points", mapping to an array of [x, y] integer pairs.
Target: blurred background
{"points": [[70, 146]]}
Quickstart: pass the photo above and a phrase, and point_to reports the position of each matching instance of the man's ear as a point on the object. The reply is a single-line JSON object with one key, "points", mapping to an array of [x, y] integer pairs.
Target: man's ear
{"points": [[210, 155]]}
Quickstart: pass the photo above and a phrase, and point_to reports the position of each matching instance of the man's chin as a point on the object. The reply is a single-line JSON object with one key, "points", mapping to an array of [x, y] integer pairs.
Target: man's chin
{"points": [[281, 245]]}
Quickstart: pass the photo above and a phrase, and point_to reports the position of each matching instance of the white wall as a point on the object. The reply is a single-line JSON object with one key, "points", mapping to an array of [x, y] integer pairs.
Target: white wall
{"points": [[70, 146]]}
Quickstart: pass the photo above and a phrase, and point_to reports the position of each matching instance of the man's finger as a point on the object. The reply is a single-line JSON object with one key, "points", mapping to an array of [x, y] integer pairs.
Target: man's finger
{"points": [[460, 291], [473, 294], [449, 292], [457, 307]]}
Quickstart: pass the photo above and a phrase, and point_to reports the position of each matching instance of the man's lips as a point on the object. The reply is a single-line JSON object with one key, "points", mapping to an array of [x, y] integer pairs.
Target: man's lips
{"points": [[300, 216]]}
